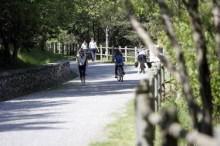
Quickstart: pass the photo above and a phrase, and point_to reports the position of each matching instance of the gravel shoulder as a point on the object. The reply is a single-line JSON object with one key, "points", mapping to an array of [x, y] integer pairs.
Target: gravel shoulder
{"points": [[70, 114]]}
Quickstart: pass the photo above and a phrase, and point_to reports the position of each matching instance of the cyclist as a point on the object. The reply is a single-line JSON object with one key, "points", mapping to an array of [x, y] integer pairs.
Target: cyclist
{"points": [[82, 62], [118, 62], [142, 61]]}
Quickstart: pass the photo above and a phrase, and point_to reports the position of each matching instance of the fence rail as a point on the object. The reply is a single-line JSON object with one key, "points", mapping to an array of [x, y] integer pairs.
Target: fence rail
{"points": [[129, 54], [62, 48], [148, 99], [108, 52]]}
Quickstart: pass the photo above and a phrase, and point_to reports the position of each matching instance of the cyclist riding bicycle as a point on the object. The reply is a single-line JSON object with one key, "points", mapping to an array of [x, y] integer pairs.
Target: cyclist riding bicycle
{"points": [[118, 62]]}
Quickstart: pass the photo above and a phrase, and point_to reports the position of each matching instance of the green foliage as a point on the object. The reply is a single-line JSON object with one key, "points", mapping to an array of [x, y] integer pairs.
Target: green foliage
{"points": [[183, 30], [38, 57], [34, 58], [176, 100]]}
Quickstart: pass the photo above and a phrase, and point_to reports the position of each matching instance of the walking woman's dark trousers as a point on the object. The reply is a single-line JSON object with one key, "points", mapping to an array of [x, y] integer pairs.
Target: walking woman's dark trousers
{"points": [[82, 70], [93, 51]]}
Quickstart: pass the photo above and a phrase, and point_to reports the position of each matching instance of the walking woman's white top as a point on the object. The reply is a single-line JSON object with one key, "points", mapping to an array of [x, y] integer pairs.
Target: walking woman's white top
{"points": [[84, 46], [92, 45]]}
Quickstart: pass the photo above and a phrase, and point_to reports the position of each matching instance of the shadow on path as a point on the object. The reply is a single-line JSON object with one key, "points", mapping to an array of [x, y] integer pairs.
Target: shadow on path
{"points": [[31, 112]]}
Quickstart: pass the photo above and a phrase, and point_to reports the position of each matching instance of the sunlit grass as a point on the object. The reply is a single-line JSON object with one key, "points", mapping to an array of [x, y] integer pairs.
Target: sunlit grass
{"points": [[121, 132], [37, 57], [182, 115], [34, 57]]}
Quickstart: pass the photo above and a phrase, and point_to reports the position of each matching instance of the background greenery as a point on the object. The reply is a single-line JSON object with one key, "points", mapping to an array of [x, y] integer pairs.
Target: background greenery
{"points": [[25, 26]]}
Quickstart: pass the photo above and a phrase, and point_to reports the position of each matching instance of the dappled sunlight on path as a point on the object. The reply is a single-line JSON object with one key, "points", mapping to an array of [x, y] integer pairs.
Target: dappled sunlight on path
{"points": [[69, 114]]}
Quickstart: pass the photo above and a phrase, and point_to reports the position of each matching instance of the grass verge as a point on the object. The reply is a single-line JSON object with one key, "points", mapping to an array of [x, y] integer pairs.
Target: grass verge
{"points": [[33, 58], [182, 115], [37, 57], [121, 132]]}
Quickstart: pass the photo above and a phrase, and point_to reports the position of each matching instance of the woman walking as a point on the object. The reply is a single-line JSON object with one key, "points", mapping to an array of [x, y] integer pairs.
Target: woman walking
{"points": [[82, 62], [93, 47], [84, 47]]}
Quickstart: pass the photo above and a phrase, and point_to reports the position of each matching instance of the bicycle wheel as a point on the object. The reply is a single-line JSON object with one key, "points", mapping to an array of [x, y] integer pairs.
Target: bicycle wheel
{"points": [[120, 74]]}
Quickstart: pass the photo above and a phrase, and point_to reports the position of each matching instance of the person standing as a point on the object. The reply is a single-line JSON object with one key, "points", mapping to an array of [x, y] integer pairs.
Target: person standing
{"points": [[93, 47], [142, 60], [84, 47], [82, 62]]}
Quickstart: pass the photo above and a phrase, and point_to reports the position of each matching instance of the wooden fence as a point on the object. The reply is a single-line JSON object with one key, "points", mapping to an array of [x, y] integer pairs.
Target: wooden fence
{"points": [[104, 52], [148, 99], [129, 54], [108, 52], [63, 48]]}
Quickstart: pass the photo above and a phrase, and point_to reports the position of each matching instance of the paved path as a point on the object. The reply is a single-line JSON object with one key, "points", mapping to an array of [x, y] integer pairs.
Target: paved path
{"points": [[71, 114]]}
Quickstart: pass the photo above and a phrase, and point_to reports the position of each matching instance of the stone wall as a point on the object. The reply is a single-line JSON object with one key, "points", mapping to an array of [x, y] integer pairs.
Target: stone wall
{"points": [[23, 81]]}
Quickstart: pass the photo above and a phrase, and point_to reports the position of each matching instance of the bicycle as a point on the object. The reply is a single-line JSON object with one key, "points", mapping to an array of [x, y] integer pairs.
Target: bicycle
{"points": [[120, 73]]}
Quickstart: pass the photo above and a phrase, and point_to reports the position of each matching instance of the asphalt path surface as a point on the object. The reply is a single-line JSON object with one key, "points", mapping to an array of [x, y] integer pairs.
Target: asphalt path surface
{"points": [[71, 114]]}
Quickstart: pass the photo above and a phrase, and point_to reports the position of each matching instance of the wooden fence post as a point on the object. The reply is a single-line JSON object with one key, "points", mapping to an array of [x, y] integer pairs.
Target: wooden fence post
{"points": [[100, 52], [67, 48], [63, 48], [159, 84], [70, 53], [135, 54], [77, 48], [59, 47], [144, 106], [54, 47], [74, 48], [113, 54], [169, 116], [156, 91], [50, 45], [162, 72], [106, 52], [126, 54]]}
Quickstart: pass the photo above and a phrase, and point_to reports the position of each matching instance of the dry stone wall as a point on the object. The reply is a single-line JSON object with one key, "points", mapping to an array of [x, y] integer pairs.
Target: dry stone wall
{"points": [[23, 81]]}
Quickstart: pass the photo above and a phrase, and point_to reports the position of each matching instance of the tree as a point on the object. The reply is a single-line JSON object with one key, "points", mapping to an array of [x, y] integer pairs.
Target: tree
{"points": [[25, 22], [180, 70]]}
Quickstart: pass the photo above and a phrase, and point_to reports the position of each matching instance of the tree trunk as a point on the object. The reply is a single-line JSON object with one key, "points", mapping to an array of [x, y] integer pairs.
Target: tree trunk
{"points": [[93, 29], [15, 53], [6, 52], [7, 55], [106, 37], [204, 74], [43, 43]]}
